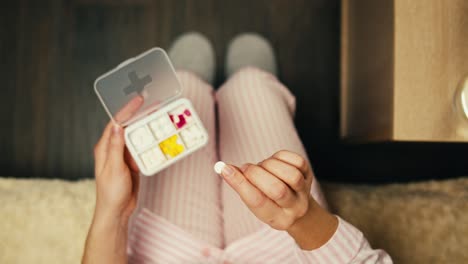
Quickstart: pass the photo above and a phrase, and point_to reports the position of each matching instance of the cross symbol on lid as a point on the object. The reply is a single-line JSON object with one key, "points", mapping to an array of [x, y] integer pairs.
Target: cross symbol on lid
{"points": [[136, 84]]}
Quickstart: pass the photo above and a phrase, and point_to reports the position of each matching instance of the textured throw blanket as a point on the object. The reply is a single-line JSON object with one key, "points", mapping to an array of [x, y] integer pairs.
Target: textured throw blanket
{"points": [[45, 221]]}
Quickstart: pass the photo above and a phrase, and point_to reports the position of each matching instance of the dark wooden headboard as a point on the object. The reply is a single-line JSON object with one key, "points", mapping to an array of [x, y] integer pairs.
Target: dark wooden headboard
{"points": [[51, 52]]}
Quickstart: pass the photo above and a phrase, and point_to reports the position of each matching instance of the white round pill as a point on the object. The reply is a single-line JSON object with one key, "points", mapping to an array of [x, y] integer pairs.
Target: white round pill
{"points": [[219, 166]]}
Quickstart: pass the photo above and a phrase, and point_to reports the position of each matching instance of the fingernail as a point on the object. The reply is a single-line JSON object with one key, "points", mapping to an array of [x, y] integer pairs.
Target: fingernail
{"points": [[116, 129], [227, 171]]}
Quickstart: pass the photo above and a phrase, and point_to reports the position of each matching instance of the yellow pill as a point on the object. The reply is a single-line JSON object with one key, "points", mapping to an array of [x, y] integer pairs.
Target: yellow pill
{"points": [[171, 146]]}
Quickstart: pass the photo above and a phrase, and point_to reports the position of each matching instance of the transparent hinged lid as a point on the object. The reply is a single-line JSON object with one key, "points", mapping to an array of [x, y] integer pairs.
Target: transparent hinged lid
{"points": [[138, 86]]}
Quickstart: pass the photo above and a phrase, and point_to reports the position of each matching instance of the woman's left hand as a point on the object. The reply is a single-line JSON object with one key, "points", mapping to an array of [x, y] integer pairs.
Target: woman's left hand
{"points": [[277, 190]]}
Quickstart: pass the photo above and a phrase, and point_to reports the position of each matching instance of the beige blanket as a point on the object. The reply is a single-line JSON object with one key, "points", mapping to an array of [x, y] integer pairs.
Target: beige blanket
{"points": [[45, 221]]}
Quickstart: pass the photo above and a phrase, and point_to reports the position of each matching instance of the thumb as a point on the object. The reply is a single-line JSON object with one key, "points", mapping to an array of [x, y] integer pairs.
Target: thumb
{"points": [[116, 149]]}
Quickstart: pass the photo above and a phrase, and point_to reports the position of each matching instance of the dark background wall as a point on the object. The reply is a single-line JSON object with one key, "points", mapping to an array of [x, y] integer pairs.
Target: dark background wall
{"points": [[51, 52]]}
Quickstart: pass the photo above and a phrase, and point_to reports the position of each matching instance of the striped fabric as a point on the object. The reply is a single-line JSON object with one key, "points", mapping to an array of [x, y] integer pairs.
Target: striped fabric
{"points": [[187, 214]]}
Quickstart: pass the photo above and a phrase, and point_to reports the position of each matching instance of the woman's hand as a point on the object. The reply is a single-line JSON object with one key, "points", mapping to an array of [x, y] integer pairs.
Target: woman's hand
{"points": [[116, 173], [117, 182], [277, 191], [117, 177]]}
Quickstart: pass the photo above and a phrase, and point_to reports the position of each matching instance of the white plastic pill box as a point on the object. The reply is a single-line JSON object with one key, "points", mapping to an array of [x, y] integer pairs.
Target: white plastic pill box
{"points": [[143, 95]]}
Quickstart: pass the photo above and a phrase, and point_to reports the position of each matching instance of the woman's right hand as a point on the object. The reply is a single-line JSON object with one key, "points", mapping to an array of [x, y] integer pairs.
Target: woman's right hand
{"points": [[117, 177], [117, 183]]}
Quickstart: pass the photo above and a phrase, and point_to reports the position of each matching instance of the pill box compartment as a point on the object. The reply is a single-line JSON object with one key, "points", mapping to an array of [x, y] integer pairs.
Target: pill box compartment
{"points": [[168, 135]]}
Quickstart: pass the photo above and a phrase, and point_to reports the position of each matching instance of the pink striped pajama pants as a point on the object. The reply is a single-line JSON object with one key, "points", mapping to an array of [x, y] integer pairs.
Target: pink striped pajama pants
{"points": [[188, 214]]}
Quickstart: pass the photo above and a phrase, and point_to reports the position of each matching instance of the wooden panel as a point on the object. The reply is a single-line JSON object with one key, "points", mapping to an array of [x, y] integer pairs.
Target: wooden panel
{"points": [[8, 66], [367, 70], [35, 73], [442, 56], [431, 60]]}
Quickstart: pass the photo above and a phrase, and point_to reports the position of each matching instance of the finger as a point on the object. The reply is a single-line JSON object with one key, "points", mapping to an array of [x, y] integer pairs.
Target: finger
{"points": [[289, 174], [115, 157], [100, 150], [249, 194], [294, 159], [270, 185], [252, 197], [129, 109], [130, 161], [265, 209]]}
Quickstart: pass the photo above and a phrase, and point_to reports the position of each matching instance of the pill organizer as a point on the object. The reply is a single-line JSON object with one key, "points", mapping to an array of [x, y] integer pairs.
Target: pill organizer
{"points": [[142, 95]]}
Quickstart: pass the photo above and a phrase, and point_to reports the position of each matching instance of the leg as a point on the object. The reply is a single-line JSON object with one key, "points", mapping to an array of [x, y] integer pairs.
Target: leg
{"points": [[255, 120], [188, 193]]}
